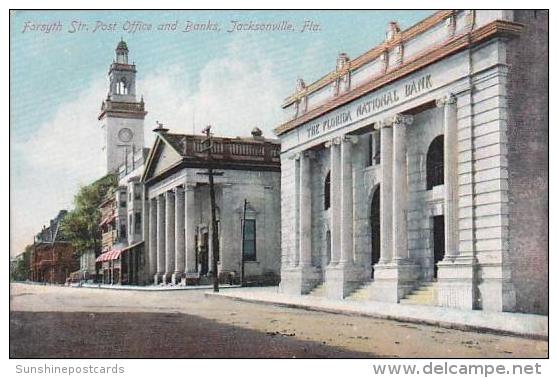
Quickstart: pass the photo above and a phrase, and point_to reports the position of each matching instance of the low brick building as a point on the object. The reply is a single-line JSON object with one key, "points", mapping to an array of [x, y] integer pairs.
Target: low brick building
{"points": [[53, 258]]}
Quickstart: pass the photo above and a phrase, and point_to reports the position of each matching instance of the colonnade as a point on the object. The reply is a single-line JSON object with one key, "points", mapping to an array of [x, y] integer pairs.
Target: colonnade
{"points": [[172, 234], [393, 193]]}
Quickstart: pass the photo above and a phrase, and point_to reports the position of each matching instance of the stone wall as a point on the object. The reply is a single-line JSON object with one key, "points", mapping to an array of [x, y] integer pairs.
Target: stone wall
{"points": [[527, 87]]}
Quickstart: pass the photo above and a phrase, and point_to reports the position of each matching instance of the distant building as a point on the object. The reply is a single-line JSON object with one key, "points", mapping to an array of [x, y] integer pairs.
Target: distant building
{"points": [[53, 258], [113, 231], [122, 117], [122, 259], [155, 224], [177, 225]]}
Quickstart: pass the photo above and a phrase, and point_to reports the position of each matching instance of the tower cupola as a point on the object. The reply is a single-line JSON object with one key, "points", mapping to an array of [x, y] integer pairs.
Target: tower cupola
{"points": [[122, 52]]}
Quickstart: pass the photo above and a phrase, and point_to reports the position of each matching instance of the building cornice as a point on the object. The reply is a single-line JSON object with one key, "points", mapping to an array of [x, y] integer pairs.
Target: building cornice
{"points": [[121, 109], [430, 56], [370, 55]]}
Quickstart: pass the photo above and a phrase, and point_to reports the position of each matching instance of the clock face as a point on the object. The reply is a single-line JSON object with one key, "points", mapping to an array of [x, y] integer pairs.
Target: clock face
{"points": [[125, 135]]}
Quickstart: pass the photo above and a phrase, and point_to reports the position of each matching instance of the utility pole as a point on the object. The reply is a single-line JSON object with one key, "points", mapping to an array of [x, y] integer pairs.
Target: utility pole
{"points": [[214, 235], [242, 243]]}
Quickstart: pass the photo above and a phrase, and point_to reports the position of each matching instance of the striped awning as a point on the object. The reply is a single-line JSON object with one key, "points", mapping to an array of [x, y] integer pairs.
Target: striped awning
{"points": [[113, 254]]}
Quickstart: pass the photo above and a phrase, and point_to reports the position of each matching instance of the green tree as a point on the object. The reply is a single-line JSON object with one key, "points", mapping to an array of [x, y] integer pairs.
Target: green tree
{"points": [[81, 225], [22, 266]]}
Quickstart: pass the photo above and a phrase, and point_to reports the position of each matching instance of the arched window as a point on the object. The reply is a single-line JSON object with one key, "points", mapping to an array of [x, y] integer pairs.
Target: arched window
{"points": [[121, 87], [327, 191], [435, 163]]}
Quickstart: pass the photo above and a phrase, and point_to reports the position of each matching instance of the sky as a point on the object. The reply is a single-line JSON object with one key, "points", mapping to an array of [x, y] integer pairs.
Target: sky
{"points": [[234, 81]]}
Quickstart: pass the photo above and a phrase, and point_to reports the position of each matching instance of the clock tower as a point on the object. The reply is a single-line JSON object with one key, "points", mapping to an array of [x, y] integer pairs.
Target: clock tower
{"points": [[121, 114]]}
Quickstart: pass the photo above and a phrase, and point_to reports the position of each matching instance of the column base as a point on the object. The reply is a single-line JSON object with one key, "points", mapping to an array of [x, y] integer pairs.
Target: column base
{"points": [[299, 280], [158, 278], [166, 278], [394, 280], [176, 278], [457, 282], [342, 279]]}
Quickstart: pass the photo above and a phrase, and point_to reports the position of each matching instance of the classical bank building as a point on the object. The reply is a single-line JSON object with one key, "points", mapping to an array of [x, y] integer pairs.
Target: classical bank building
{"points": [[418, 171], [178, 226]]}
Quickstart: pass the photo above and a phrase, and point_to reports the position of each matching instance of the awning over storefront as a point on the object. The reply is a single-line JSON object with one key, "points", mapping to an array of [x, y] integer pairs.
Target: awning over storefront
{"points": [[132, 246], [108, 220], [113, 254]]}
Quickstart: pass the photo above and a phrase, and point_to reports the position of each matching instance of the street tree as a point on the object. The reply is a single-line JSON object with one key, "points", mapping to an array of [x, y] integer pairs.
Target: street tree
{"points": [[81, 225]]}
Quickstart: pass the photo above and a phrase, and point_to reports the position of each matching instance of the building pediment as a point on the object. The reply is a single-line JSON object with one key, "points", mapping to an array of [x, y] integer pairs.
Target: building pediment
{"points": [[162, 157]]}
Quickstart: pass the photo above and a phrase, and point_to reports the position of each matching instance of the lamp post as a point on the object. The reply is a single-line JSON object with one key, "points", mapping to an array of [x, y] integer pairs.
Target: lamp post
{"points": [[242, 243]]}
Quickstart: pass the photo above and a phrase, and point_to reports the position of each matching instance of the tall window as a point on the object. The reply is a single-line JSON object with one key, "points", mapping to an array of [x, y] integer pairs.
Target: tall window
{"points": [[137, 223], [249, 240], [435, 163], [327, 191]]}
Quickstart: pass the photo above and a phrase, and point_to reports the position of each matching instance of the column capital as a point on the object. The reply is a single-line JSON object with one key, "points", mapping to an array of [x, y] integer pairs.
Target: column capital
{"points": [[308, 154], [333, 141], [178, 189], [295, 156], [384, 123], [448, 99], [402, 120], [189, 186], [353, 139]]}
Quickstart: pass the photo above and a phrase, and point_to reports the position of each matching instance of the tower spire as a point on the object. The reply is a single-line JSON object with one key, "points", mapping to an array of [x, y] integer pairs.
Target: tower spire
{"points": [[122, 115]]}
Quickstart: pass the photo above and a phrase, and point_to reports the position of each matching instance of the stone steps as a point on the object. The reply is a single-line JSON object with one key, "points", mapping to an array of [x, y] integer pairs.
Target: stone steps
{"points": [[426, 294], [318, 291], [362, 293]]}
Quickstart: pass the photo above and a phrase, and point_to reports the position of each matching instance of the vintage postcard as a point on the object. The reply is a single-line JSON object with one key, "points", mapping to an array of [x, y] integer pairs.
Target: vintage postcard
{"points": [[280, 184]]}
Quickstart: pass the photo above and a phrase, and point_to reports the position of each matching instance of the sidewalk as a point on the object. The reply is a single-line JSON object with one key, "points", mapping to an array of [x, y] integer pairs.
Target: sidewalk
{"points": [[152, 287], [507, 323]]}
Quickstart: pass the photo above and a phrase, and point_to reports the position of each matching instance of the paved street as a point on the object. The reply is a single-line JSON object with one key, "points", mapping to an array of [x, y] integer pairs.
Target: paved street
{"points": [[48, 321]]}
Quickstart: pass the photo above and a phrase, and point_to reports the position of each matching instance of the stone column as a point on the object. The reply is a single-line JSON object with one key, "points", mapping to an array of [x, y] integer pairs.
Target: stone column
{"points": [[295, 256], [152, 248], [229, 243], [190, 225], [160, 239], [179, 235], [346, 250], [458, 280], [305, 209], [386, 160], [169, 236], [335, 208], [451, 177], [399, 185]]}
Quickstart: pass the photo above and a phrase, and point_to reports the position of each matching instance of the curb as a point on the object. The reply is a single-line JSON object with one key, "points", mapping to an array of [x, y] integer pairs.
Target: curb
{"points": [[398, 318], [147, 289]]}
